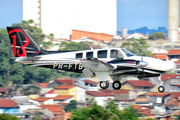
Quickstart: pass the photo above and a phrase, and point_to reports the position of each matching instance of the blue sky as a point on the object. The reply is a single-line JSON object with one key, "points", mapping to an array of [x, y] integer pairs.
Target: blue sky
{"points": [[130, 13]]}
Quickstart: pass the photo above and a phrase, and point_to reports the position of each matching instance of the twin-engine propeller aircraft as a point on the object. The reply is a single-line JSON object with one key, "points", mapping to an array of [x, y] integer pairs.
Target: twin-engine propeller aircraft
{"points": [[113, 62]]}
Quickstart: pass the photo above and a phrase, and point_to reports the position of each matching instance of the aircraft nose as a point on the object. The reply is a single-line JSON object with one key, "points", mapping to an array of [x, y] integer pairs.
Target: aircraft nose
{"points": [[170, 65]]}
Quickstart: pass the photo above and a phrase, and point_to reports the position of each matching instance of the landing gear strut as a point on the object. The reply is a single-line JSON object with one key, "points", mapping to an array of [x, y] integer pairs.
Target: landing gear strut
{"points": [[104, 84], [116, 85], [161, 88]]}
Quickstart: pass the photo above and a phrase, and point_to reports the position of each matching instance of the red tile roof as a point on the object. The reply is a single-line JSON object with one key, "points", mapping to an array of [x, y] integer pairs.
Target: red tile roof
{"points": [[175, 94], [43, 85], [165, 77], [63, 97], [65, 87], [66, 80], [62, 104], [174, 52], [90, 82], [48, 106], [162, 57], [7, 103], [140, 83], [120, 91], [158, 94], [56, 109], [42, 99], [178, 62], [2, 89], [98, 93]]}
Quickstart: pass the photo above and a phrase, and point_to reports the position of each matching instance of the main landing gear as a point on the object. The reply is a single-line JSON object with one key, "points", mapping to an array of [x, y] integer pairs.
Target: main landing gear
{"points": [[105, 84], [161, 88]]}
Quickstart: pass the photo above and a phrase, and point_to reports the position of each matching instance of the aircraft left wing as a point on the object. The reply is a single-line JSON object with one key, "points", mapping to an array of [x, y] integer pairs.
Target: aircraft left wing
{"points": [[96, 67]]}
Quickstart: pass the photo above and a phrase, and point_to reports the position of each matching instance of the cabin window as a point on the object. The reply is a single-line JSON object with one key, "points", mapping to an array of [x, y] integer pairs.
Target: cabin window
{"points": [[89, 55], [102, 54], [116, 54], [79, 55]]}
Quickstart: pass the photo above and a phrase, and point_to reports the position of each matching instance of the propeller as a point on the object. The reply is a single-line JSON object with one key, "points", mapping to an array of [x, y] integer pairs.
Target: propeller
{"points": [[141, 64]]}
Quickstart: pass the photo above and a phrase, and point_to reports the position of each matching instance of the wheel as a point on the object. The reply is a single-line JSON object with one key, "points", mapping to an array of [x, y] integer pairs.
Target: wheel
{"points": [[116, 85], [104, 84], [161, 89]]}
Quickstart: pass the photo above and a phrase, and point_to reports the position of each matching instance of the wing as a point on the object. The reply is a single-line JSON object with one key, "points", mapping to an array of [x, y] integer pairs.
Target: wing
{"points": [[96, 67]]}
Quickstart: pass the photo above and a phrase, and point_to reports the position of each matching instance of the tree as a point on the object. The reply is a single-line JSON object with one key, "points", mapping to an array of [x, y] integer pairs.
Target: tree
{"points": [[71, 106], [65, 46], [8, 117], [110, 112], [47, 45], [157, 35], [31, 28], [31, 89], [137, 46]]}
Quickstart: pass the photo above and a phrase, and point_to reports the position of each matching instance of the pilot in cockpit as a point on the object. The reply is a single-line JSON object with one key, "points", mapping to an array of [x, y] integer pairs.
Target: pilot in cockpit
{"points": [[116, 54]]}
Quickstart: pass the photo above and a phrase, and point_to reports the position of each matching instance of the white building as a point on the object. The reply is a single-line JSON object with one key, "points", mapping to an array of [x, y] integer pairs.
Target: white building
{"points": [[137, 36], [61, 16]]}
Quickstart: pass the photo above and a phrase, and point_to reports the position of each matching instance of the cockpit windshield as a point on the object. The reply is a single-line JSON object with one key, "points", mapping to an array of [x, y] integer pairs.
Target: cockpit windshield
{"points": [[127, 52]]}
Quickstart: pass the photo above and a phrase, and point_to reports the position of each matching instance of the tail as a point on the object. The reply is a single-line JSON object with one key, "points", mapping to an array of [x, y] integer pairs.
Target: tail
{"points": [[22, 44]]}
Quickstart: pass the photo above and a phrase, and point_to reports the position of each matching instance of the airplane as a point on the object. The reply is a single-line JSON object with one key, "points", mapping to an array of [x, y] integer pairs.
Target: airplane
{"points": [[113, 62]]}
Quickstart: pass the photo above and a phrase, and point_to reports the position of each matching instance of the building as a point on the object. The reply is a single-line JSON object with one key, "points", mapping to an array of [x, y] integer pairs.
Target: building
{"points": [[9, 106], [99, 96], [138, 85], [137, 36], [173, 20], [60, 16]]}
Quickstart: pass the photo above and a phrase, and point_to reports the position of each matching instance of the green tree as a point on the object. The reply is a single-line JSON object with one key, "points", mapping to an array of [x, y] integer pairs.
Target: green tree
{"points": [[157, 35], [71, 106], [51, 36], [47, 45], [31, 89], [74, 46], [137, 46], [8, 117], [110, 112], [32, 29]]}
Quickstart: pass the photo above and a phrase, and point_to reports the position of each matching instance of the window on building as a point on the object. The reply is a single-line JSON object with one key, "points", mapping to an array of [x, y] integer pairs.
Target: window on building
{"points": [[79, 55], [15, 110], [89, 55], [102, 54]]}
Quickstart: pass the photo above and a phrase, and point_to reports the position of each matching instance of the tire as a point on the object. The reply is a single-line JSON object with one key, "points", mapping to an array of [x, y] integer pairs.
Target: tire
{"points": [[116, 85], [161, 89], [104, 84]]}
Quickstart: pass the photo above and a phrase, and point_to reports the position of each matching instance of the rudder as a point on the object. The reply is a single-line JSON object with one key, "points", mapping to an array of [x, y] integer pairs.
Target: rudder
{"points": [[22, 44]]}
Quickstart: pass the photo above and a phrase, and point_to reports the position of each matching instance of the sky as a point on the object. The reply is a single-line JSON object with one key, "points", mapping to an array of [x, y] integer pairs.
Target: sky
{"points": [[131, 14]]}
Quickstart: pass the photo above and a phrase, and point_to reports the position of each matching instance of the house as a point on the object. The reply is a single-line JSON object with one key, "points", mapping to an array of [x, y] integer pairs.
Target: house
{"points": [[77, 92], [138, 85], [9, 106], [66, 90], [42, 101], [54, 111], [161, 56], [120, 94], [89, 85], [63, 99], [177, 71], [126, 103], [2, 91], [62, 81], [173, 54], [77, 34], [44, 88], [157, 97], [136, 36], [98, 96]]}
